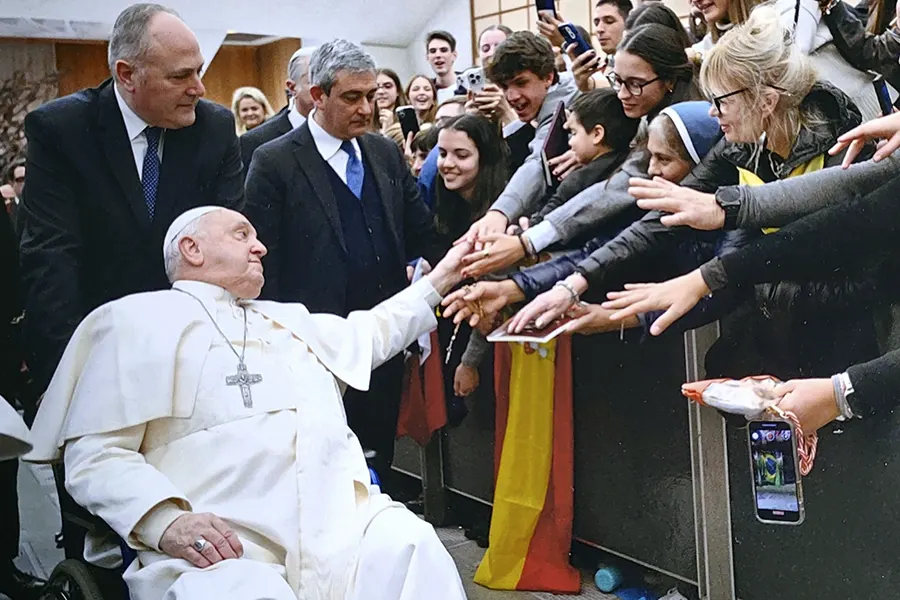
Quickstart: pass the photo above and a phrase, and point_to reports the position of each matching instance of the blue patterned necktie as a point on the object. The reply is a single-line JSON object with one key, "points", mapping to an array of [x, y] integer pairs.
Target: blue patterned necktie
{"points": [[355, 171], [150, 172]]}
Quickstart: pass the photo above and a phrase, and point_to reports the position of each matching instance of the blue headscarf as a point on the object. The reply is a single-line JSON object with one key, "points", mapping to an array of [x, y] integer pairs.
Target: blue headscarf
{"points": [[699, 132]]}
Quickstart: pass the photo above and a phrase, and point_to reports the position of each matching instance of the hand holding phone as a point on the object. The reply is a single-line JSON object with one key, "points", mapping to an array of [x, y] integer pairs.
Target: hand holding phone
{"points": [[546, 7], [409, 122], [572, 37]]}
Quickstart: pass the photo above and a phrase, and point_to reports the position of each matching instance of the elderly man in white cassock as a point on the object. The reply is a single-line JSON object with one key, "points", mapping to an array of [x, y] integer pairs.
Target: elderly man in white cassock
{"points": [[207, 430]]}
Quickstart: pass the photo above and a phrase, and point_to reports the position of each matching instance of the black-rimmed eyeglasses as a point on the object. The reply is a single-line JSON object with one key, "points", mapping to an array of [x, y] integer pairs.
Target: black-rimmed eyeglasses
{"points": [[634, 87], [717, 100]]}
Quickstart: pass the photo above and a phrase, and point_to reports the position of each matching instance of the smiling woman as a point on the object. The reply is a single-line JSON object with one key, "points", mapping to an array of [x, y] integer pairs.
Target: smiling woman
{"points": [[422, 95]]}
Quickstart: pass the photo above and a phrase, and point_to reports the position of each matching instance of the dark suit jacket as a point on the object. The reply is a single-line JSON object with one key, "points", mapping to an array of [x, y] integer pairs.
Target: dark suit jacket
{"points": [[87, 237], [290, 202], [273, 128]]}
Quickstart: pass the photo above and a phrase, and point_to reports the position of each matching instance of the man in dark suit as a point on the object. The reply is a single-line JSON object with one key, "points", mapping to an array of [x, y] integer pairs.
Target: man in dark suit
{"points": [[290, 117], [341, 215], [109, 169]]}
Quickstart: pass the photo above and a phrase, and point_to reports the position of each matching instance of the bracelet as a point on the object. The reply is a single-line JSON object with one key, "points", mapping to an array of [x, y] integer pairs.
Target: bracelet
{"points": [[526, 245], [569, 289], [843, 387]]}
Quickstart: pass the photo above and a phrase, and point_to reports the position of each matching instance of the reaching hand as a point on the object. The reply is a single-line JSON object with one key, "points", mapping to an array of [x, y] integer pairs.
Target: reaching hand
{"points": [[548, 26], [584, 67], [493, 222], [500, 251], [593, 318], [465, 381], [543, 310], [178, 540], [446, 274], [812, 400], [676, 296], [883, 128], [688, 207], [481, 302], [564, 164]]}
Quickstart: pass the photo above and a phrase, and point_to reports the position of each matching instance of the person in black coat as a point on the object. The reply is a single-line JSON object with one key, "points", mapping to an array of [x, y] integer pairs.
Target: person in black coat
{"points": [[341, 215], [290, 117], [92, 231], [109, 169]]}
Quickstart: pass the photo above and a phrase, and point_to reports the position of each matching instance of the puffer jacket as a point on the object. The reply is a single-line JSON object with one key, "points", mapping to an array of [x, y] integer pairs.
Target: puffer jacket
{"points": [[860, 48]]}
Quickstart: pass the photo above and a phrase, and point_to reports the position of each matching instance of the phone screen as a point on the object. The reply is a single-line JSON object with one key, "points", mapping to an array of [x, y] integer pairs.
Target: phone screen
{"points": [[776, 480]]}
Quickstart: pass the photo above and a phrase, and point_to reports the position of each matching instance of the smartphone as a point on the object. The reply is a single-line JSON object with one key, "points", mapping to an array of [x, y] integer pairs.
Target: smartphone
{"points": [[474, 79], [546, 6], [409, 123], [571, 36], [884, 96], [775, 470]]}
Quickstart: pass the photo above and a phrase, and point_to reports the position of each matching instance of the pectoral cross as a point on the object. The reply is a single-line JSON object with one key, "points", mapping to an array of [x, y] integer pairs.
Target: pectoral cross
{"points": [[244, 380]]}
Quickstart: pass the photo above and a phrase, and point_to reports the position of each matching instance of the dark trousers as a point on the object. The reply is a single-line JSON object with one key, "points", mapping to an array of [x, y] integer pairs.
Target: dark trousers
{"points": [[9, 511], [372, 415]]}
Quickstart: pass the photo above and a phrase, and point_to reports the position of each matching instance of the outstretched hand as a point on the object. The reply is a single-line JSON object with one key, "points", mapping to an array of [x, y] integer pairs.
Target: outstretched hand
{"points": [[447, 274], [676, 297], [499, 252], [480, 304], [883, 128], [493, 222], [688, 207]]}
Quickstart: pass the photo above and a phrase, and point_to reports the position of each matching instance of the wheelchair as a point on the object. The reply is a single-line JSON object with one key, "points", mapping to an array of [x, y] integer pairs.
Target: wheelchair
{"points": [[75, 579]]}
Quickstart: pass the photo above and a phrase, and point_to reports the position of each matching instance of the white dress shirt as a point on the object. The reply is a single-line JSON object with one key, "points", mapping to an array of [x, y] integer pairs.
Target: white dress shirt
{"points": [[330, 148], [295, 117], [134, 127]]}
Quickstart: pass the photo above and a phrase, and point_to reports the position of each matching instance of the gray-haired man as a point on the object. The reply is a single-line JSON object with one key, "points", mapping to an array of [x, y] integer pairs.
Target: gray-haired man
{"points": [[341, 216], [109, 169], [290, 117]]}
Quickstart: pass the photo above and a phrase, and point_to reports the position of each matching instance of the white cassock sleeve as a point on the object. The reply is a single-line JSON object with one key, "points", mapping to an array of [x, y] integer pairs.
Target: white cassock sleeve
{"points": [[398, 321], [107, 475]]}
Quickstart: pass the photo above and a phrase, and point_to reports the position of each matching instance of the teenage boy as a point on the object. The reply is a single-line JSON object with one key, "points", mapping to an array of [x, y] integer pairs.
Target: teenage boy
{"points": [[440, 48]]}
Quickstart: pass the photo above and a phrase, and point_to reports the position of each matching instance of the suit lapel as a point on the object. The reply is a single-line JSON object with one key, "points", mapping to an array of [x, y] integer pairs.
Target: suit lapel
{"points": [[312, 164], [180, 149], [383, 184], [117, 148]]}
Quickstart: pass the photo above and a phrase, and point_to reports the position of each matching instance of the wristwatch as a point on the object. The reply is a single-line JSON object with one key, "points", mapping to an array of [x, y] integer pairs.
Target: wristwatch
{"points": [[729, 200]]}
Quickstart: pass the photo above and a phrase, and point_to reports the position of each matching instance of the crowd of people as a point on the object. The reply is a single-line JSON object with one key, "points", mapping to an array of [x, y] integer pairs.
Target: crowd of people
{"points": [[734, 161]]}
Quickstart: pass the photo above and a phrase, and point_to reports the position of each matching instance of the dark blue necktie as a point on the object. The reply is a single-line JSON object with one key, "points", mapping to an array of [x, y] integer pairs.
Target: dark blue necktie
{"points": [[150, 172], [355, 171]]}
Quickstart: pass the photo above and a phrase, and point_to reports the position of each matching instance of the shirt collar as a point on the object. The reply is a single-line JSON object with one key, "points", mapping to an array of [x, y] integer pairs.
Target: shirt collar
{"points": [[208, 293], [294, 116], [134, 125], [327, 144]]}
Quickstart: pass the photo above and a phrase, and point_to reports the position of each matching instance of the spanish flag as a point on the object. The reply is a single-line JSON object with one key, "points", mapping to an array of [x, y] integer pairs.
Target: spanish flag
{"points": [[531, 526], [422, 407]]}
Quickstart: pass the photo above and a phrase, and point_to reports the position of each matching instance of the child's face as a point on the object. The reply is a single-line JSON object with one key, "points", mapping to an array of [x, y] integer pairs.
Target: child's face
{"points": [[664, 161], [418, 161], [585, 144]]}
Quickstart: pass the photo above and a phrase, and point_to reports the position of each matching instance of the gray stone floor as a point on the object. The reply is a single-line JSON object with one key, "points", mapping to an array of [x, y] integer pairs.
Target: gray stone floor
{"points": [[39, 511]]}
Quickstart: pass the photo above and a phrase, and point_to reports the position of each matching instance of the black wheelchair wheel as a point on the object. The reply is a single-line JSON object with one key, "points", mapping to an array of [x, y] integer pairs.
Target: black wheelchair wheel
{"points": [[71, 580]]}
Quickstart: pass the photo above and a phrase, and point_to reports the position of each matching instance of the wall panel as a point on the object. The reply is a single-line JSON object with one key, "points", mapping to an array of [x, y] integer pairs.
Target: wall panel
{"points": [[80, 65], [272, 62]]}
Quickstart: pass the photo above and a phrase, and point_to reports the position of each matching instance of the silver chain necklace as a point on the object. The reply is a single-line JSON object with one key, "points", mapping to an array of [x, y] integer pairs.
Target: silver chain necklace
{"points": [[242, 378]]}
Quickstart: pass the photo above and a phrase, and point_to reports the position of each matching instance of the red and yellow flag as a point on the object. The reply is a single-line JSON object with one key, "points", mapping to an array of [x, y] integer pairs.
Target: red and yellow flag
{"points": [[422, 407], [531, 526]]}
